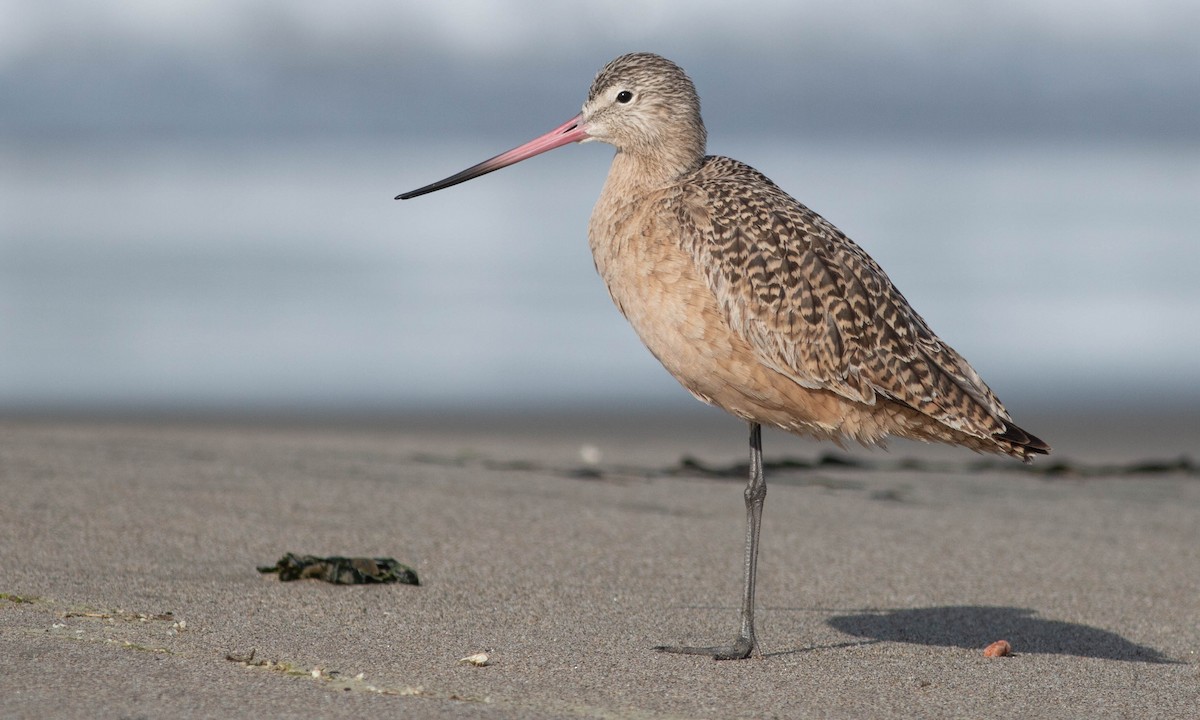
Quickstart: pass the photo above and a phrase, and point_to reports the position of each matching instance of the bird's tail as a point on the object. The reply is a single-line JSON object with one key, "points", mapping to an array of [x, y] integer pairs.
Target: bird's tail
{"points": [[1020, 444]]}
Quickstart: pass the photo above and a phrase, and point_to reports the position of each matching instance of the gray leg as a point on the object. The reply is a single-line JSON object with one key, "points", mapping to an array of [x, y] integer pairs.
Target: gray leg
{"points": [[756, 492]]}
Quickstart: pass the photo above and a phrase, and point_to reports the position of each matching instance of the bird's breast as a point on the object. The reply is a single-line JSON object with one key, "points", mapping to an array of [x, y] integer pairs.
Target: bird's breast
{"points": [[656, 285]]}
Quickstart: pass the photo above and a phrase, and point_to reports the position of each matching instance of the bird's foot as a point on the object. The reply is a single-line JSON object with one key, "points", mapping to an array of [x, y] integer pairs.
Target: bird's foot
{"points": [[741, 649]]}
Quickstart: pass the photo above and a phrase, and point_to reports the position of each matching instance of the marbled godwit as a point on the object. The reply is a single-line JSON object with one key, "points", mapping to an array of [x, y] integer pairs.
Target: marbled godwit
{"points": [[755, 303]]}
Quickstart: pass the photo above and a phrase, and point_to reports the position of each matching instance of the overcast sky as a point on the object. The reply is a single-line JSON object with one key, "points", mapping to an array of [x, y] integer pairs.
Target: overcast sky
{"points": [[1094, 68]]}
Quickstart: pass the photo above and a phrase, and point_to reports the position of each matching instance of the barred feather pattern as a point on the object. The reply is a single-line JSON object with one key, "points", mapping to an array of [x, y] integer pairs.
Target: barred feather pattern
{"points": [[816, 307], [756, 303]]}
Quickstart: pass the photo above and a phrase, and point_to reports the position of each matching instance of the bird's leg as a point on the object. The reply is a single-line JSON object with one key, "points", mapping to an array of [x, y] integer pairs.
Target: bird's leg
{"points": [[756, 493]]}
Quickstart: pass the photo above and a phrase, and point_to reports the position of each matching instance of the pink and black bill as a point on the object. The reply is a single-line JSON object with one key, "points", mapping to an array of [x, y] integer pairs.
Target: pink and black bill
{"points": [[569, 132]]}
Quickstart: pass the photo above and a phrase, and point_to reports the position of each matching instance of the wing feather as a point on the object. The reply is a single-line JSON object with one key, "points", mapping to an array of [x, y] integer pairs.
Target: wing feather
{"points": [[816, 307]]}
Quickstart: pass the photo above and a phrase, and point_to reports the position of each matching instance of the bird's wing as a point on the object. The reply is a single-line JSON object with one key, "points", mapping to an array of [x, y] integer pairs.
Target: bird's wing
{"points": [[815, 306]]}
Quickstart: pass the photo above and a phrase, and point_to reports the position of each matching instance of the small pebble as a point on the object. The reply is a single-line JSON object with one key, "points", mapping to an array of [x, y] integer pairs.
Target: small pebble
{"points": [[590, 455], [478, 659]]}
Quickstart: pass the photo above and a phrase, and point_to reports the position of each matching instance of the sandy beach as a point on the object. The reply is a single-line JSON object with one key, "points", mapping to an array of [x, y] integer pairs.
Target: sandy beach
{"points": [[566, 547]]}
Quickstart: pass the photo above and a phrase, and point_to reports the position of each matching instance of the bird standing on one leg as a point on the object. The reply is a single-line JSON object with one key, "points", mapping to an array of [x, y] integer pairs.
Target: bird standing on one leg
{"points": [[755, 303]]}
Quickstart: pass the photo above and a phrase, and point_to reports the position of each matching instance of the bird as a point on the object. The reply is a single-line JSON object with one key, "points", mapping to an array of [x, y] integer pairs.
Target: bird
{"points": [[753, 302]]}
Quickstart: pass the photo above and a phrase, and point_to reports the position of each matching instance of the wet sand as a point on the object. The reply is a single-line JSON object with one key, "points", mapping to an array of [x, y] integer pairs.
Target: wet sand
{"points": [[566, 547]]}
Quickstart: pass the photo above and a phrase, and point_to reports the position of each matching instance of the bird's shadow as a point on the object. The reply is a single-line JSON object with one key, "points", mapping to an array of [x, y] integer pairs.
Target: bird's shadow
{"points": [[975, 627]]}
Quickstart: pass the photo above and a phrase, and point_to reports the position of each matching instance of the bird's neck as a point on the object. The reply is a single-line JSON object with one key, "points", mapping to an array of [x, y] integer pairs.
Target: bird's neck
{"points": [[637, 173]]}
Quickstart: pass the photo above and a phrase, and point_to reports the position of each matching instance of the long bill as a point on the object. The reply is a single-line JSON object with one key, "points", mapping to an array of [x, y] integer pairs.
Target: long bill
{"points": [[571, 131]]}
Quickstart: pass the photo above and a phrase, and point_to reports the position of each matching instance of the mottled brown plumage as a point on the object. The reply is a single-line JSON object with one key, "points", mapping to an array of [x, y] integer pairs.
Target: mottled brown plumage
{"points": [[752, 301], [814, 337]]}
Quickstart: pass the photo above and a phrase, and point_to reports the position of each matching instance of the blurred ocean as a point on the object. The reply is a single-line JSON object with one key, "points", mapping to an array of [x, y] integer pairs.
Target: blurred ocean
{"points": [[281, 274]]}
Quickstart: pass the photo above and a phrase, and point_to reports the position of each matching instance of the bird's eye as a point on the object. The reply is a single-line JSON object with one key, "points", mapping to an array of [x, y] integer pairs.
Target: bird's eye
{"points": [[624, 96]]}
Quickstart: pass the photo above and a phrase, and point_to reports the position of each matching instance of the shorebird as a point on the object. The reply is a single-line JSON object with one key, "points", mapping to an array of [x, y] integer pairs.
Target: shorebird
{"points": [[755, 303]]}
